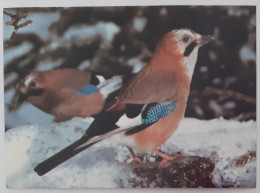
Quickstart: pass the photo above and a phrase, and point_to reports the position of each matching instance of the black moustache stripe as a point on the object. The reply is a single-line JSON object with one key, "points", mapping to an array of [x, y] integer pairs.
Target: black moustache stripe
{"points": [[190, 48], [36, 92]]}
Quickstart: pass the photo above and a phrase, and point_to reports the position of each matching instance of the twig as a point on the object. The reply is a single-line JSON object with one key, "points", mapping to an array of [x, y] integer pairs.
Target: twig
{"points": [[244, 159], [229, 93], [15, 18]]}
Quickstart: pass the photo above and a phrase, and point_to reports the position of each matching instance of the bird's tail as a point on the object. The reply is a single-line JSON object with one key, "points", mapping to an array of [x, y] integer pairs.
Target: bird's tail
{"points": [[70, 151], [61, 156]]}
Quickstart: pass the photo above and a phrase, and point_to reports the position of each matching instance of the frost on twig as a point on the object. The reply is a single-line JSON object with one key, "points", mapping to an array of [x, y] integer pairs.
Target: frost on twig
{"points": [[15, 18]]}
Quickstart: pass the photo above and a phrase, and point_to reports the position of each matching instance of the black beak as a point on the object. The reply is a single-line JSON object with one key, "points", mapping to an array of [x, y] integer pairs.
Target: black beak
{"points": [[21, 92], [205, 39], [24, 93], [22, 97]]}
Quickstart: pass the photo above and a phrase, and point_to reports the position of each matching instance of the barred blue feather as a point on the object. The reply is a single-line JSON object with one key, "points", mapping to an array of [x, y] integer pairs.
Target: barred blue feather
{"points": [[87, 90], [159, 111]]}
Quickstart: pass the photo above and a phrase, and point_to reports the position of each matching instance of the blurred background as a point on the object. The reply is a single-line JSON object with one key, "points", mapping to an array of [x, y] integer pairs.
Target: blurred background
{"points": [[121, 40]]}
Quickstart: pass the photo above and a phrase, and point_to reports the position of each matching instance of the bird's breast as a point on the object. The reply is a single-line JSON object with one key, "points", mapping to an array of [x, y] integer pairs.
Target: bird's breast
{"points": [[159, 132]]}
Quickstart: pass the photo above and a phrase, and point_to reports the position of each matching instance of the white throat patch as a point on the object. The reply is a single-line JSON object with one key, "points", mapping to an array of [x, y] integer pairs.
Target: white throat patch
{"points": [[28, 80], [190, 61]]}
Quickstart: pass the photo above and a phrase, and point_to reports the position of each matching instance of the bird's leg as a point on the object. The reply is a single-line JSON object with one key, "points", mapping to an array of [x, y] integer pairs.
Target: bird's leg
{"points": [[165, 157], [136, 159]]}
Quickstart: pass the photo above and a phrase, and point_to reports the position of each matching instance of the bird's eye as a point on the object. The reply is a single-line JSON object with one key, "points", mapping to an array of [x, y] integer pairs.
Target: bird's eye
{"points": [[32, 84], [185, 39]]}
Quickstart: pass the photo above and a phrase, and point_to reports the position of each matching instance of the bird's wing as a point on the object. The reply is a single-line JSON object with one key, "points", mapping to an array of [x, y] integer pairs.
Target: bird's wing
{"points": [[74, 79], [147, 88], [152, 109], [67, 78], [108, 88], [146, 97], [153, 113], [150, 114]]}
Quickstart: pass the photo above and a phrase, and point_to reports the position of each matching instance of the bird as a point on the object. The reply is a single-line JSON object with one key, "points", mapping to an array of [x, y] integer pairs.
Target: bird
{"points": [[64, 92], [153, 102]]}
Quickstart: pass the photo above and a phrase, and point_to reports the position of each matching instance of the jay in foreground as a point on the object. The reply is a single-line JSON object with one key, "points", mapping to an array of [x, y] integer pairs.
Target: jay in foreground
{"points": [[68, 93], [154, 101]]}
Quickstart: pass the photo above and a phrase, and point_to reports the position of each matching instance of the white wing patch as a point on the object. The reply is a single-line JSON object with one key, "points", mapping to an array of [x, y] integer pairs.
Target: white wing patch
{"points": [[109, 86], [100, 78], [124, 124]]}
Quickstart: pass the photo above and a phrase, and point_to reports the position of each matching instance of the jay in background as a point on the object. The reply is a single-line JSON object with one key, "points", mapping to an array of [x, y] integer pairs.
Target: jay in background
{"points": [[68, 93], [153, 101]]}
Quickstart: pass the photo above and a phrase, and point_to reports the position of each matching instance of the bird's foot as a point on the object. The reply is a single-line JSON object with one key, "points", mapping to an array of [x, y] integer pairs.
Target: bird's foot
{"points": [[169, 158], [166, 157], [136, 159]]}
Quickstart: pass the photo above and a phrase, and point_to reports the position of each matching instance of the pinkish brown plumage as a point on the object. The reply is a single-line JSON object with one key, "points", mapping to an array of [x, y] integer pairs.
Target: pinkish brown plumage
{"points": [[160, 91], [56, 92]]}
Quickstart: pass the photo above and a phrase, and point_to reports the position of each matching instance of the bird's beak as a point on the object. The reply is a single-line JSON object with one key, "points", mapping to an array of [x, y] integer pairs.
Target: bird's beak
{"points": [[204, 39], [22, 91], [22, 98], [22, 94]]}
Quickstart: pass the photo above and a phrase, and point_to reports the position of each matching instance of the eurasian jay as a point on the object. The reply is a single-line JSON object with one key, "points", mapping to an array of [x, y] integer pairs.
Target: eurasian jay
{"points": [[68, 93], [159, 92]]}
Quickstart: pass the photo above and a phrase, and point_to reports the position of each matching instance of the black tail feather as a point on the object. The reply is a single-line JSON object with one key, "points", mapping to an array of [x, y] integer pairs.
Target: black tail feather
{"points": [[103, 123], [61, 156]]}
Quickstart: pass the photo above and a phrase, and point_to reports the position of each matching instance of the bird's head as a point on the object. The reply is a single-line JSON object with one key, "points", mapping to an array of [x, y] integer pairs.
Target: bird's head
{"points": [[31, 88], [188, 43], [184, 44]]}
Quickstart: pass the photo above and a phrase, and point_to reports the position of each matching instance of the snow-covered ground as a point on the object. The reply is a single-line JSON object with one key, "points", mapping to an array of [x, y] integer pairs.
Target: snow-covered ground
{"points": [[102, 165]]}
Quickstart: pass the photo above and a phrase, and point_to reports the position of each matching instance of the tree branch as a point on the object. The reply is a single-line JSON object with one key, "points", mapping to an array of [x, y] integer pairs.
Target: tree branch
{"points": [[229, 93], [15, 19]]}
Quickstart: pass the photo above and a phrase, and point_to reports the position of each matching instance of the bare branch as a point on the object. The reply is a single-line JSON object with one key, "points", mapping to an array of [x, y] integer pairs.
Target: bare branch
{"points": [[25, 23], [15, 18], [229, 93]]}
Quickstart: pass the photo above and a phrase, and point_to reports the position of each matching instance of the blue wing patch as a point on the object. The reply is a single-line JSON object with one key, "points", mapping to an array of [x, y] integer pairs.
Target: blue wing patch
{"points": [[153, 113], [87, 90], [158, 111]]}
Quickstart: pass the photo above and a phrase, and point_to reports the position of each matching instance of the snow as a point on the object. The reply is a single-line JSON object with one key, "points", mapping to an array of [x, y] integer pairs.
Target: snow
{"points": [[246, 53], [83, 65], [228, 140], [27, 114], [103, 165], [48, 64], [136, 64], [15, 52], [139, 23], [106, 30]]}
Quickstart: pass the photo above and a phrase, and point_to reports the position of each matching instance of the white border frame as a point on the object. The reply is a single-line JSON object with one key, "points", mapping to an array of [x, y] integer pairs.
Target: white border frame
{"points": [[77, 3]]}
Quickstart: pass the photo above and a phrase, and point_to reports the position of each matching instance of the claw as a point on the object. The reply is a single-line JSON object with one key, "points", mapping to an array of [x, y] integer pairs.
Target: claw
{"points": [[165, 157], [169, 158], [136, 160]]}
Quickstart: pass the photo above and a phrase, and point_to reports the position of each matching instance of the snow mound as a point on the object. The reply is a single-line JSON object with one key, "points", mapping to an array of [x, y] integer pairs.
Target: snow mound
{"points": [[102, 165]]}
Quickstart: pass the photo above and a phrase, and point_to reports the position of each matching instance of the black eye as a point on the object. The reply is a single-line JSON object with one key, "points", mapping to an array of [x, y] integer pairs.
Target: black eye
{"points": [[32, 84], [185, 39]]}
